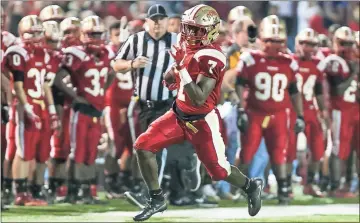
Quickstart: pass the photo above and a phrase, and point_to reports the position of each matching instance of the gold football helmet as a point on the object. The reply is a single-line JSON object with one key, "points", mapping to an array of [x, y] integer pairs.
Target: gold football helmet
{"points": [[343, 42], [52, 30], [52, 12], [270, 28], [237, 12], [70, 31], [306, 42], [31, 29], [200, 25], [93, 31]]}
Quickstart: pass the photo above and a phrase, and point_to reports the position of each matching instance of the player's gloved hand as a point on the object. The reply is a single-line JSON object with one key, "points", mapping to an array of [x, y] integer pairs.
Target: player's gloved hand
{"points": [[32, 116], [4, 113], [179, 55], [124, 29], [242, 120], [299, 124]]}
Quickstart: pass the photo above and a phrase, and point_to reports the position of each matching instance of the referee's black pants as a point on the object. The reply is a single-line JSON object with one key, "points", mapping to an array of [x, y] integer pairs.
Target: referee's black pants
{"points": [[174, 158]]}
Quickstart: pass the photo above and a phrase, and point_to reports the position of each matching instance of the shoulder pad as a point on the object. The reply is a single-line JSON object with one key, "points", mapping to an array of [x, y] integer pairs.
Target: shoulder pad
{"points": [[18, 50], [333, 57], [216, 54], [248, 58], [76, 51]]}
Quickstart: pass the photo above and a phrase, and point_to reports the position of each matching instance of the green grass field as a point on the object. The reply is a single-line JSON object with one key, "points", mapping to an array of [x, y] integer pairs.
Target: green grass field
{"points": [[93, 213]]}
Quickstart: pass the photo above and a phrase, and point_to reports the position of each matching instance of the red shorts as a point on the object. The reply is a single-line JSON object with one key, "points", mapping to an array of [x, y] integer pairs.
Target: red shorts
{"points": [[60, 143], [118, 128], [274, 128], [207, 141], [85, 133], [27, 137], [345, 132], [43, 152]]}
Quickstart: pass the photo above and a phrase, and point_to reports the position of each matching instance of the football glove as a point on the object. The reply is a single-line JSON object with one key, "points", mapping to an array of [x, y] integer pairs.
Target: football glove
{"points": [[242, 121]]}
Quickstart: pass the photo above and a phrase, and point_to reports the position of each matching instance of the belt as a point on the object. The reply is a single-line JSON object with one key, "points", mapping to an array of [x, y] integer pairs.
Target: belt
{"points": [[188, 120], [154, 104], [87, 110]]}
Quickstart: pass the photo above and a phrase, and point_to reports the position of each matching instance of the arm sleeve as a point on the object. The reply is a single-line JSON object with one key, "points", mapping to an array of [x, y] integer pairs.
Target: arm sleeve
{"points": [[18, 76]]}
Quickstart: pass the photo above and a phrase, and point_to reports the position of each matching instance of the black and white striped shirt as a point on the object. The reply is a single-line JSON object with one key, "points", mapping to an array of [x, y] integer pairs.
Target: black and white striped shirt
{"points": [[149, 79]]}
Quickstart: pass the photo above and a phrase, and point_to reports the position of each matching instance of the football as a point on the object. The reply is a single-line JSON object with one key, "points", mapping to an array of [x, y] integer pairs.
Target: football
{"points": [[170, 75]]}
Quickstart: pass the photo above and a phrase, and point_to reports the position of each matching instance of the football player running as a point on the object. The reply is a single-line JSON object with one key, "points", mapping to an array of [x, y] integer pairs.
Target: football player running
{"points": [[88, 66], [342, 73], [309, 80], [27, 62], [194, 116], [270, 76]]}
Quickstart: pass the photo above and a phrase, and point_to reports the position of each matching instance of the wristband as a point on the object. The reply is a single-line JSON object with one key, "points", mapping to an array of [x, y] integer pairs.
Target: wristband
{"points": [[131, 64], [52, 110], [185, 76]]}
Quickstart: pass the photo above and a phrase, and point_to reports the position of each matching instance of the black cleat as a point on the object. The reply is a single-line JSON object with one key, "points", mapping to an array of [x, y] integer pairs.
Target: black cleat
{"points": [[254, 196], [152, 207]]}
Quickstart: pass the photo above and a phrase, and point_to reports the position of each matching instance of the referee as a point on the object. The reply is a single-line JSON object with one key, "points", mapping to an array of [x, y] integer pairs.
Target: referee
{"points": [[146, 53]]}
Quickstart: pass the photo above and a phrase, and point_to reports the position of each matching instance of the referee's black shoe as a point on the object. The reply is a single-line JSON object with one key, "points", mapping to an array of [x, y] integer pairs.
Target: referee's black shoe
{"points": [[152, 207], [254, 196]]}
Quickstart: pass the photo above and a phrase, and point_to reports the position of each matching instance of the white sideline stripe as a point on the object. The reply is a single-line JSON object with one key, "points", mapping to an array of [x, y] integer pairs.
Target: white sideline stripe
{"points": [[74, 116], [336, 117], [212, 120]]}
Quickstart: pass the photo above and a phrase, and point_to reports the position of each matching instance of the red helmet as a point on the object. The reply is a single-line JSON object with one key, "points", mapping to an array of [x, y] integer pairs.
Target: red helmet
{"points": [[52, 34], [52, 13], [306, 43], [343, 42], [31, 30], [70, 32], [271, 35], [200, 26], [93, 31]]}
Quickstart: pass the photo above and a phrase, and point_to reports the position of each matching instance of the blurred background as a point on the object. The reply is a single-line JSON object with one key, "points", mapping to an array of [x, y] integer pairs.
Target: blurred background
{"points": [[297, 15]]}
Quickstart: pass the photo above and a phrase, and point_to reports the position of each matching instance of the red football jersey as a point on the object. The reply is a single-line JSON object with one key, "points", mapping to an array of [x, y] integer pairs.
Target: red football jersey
{"points": [[334, 65], [210, 62], [89, 73], [268, 80], [7, 40], [307, 77], [121, 89], [32, 62], [52, 67]]}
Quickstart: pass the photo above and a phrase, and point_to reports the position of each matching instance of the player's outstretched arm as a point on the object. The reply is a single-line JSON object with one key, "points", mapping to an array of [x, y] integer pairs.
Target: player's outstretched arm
{"points": [[61, 83], [198, 92]]}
